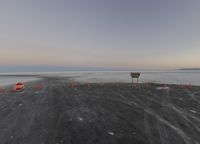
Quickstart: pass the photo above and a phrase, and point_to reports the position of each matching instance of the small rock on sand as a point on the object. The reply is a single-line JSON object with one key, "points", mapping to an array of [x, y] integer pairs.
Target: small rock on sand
{"points": [[111, 133]]}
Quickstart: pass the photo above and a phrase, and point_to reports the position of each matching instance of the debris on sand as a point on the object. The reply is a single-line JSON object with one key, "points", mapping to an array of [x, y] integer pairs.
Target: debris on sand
{"points": [[80, 118]]}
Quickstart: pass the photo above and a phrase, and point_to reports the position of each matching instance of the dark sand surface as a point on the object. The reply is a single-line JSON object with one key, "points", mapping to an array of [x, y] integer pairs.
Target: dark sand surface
{"points": [[61, 113]]}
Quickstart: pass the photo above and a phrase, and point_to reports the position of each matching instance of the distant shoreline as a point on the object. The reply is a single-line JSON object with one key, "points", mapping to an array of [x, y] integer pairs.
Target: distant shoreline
{"points": [[189, 69]]}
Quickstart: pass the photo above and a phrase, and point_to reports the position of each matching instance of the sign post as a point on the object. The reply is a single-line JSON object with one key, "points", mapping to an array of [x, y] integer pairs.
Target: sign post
{"points": [[135, 75]]}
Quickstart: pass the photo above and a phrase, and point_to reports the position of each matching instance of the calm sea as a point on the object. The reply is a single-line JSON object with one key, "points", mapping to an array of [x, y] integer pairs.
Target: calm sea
{"points": [[169, 77], [12, 80]]}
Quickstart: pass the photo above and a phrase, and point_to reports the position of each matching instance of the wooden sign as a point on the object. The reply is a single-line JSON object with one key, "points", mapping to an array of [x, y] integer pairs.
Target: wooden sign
{"points": [[135, 75]]}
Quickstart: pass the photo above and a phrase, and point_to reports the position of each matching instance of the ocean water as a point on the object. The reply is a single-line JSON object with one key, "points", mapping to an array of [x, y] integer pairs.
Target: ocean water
{"points": [[169, 77], [5, 80]]}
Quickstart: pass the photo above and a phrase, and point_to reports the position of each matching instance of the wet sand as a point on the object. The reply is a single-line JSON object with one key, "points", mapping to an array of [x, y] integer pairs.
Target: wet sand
{"points": [[58, 111]]}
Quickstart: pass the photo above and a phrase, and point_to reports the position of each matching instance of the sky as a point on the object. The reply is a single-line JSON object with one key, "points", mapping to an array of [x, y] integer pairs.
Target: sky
{"points": [[100, 33]]}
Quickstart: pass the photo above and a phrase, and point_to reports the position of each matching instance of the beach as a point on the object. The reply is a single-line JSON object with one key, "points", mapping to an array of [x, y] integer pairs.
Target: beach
{"points": [[58, 110]]}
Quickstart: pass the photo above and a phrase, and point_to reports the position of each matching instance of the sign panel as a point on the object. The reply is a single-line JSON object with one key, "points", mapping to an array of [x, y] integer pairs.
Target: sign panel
{"points": [[135, 75], [19, 86]]}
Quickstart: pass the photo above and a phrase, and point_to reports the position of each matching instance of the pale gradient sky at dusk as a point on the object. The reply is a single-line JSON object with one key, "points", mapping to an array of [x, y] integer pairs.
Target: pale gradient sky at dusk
{"points": [[135, 33]]}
